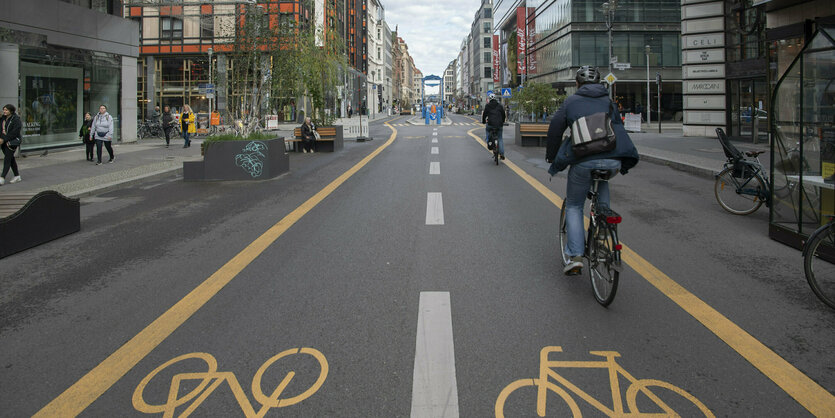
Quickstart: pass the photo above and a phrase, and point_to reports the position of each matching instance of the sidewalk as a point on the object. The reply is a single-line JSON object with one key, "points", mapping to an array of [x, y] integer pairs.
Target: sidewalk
{"points": [[67, 172]]}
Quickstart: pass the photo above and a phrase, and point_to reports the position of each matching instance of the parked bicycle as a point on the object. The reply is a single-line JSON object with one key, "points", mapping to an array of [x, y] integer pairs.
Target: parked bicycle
{"points": [[819, 262], [742, 186], [603, 249], [150, 128]]}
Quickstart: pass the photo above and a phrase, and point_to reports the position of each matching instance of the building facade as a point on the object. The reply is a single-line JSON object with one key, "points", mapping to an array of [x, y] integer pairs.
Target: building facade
{"points": [[388, 74], [449, 82], [376, 57], [60, 59], [480, 50], [547, 42]]}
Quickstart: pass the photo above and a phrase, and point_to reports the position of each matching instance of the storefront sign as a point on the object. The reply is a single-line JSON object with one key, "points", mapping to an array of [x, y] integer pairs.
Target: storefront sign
{"points": [[704, 102], [531, 55], [712, 40], [704, 87], [704, 56], [704, 71], [521, 40]]}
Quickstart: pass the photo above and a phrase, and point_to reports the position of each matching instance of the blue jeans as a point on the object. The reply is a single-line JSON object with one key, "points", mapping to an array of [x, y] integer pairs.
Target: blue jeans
{"points": [[500, 131], [185, 136], [578, 186]]}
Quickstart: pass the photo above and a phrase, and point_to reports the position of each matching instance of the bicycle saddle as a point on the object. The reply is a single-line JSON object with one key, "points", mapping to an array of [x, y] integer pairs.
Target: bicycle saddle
{"points": [[601, 174], [754, 154]]}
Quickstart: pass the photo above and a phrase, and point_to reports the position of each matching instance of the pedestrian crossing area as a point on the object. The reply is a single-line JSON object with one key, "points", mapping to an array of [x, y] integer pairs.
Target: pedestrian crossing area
{"points": [[434, 125]]}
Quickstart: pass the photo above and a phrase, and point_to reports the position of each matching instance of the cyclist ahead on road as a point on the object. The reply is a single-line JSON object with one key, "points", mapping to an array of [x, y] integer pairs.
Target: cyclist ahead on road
{"points": [[494, 117], [591, 98]]}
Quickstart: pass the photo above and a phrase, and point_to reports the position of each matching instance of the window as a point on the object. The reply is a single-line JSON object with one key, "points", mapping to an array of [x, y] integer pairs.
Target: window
{"points": [[486, 42], [488, 72], [488, 56], [486, 27], [172, 28], [488, 13], [378, 53], [378, 34], [207, 27]]}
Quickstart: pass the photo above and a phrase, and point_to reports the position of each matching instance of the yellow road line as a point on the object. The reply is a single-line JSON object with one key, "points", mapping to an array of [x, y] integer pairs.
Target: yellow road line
{"points": [[803, 389], [98, 380]]}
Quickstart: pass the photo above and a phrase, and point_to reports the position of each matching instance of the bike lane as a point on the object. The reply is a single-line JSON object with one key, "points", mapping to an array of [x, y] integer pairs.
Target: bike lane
{"points": [[345, 280]]}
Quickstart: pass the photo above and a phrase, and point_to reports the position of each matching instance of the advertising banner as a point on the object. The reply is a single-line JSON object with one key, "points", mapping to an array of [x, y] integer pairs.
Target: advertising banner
{"points": [[521, 40], [496, 60], [531, 55]]}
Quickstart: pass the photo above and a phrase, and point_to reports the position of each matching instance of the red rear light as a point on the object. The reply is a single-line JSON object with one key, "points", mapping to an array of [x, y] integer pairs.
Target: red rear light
{"points": [[618, 247], [613, 219]]}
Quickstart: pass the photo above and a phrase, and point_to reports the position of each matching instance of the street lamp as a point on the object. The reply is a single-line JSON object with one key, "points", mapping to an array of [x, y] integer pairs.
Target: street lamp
{"points": [[212, 97], [647, 50], [609, 9]]}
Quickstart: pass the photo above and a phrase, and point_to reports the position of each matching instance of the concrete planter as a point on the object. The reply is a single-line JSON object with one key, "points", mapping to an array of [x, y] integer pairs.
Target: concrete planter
{"points": [[239, 160]]}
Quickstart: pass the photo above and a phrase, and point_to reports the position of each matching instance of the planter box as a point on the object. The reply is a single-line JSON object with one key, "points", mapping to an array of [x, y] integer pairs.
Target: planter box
{"points": [[239, 160]]}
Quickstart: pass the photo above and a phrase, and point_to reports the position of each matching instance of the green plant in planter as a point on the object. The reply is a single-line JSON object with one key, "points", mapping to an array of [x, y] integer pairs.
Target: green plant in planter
{"points": [[536, 97], [232, 137]]}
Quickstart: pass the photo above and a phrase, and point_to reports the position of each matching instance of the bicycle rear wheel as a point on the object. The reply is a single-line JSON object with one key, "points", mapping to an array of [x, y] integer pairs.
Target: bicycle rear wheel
{"points": [[563, 237], [820, 273], [738, 196], [602, 263]]}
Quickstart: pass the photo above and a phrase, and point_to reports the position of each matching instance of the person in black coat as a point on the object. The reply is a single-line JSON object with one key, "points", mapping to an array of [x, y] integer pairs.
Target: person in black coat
{"points": [[167, 124], [308, 136], [84, 134], [494, 116], [591, 98], [10, 126]]}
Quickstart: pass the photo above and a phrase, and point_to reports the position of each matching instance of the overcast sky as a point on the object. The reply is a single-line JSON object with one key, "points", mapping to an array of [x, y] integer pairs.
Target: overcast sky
{"points": [[433, 29]]}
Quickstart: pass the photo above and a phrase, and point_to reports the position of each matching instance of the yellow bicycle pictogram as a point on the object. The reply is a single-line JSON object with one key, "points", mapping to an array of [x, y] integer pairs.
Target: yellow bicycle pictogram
{"points": [[211, 379], [550, 380]]}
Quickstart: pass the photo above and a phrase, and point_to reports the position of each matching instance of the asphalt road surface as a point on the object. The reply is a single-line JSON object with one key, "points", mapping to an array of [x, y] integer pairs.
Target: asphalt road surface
{"points": [[408, 276]]}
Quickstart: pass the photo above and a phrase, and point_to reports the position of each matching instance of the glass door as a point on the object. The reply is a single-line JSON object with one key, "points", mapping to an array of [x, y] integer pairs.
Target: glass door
{"points": [[746, 108]]}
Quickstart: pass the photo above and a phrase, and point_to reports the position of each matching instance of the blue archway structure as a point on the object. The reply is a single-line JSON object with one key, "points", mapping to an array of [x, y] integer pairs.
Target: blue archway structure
{"points": [[428, 114]]}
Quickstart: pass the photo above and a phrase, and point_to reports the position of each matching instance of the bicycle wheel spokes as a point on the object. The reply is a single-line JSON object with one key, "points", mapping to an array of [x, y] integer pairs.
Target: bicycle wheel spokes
{"points": [[820, 272], [603, 260], [563, 236], [736, 195]]}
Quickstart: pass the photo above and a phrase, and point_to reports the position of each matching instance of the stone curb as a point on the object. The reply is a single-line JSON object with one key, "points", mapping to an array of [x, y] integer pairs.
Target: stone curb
{"points": [[701, 171]]}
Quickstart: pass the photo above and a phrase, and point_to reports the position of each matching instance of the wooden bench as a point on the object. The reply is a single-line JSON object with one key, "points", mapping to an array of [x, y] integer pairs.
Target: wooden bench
{"points": [[29, 220], [330, 141], [532, 134]]}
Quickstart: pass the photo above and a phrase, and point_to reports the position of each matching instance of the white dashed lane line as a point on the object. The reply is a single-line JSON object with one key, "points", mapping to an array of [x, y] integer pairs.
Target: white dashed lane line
{"points": [[434, 387], [435, 167], [434, 209]]}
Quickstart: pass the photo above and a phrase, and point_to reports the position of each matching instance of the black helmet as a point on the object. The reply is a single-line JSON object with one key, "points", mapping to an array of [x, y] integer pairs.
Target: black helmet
{"points": [[587, 74]]}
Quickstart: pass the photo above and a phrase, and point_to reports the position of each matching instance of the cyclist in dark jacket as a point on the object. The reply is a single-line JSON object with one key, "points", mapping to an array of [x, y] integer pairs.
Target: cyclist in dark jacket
{"points": [[494, 116], [591, 97]]}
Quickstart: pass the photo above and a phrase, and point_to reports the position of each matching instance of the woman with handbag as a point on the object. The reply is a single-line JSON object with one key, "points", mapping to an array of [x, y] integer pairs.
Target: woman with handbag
{"points": [[187, 123], [102, 131], [85, 134], [10, 138]]}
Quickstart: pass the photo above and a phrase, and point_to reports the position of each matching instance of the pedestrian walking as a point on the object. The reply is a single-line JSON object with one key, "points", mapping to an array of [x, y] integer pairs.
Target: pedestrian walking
{"points": [[167, 124], [10, 139], [350, 111], [102, 131], [187, 124], [156, 115], [85, 134], [308, 136]]}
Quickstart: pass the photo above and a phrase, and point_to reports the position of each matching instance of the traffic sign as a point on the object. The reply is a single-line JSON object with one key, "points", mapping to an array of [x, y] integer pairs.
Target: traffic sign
{"points": [[613, 60], [489, 92], [506, 92], [611, 79], [622, 65]]}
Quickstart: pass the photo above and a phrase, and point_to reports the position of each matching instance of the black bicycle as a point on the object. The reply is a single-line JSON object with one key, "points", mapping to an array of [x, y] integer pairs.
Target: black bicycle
{"points": [[150, 128], [493, 143], [603, 249], [742, 186], [819, 262]]}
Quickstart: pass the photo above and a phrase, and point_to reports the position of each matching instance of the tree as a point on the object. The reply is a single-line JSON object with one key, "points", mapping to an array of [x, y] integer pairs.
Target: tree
{"points": [[535, 98]]}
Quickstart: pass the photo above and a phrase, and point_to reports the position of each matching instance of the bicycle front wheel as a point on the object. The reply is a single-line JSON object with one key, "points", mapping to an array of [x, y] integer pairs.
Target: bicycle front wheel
{"points": [[603, 259], [820, 273], [738, 196]]}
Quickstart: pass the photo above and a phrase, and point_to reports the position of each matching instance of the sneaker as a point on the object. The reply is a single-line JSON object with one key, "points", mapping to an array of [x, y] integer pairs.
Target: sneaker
{"points": [[311, 151], [2, 181], [16, 179], [501, 156], [98, 162], [304, 151], [111, 160], [574, 267]]}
